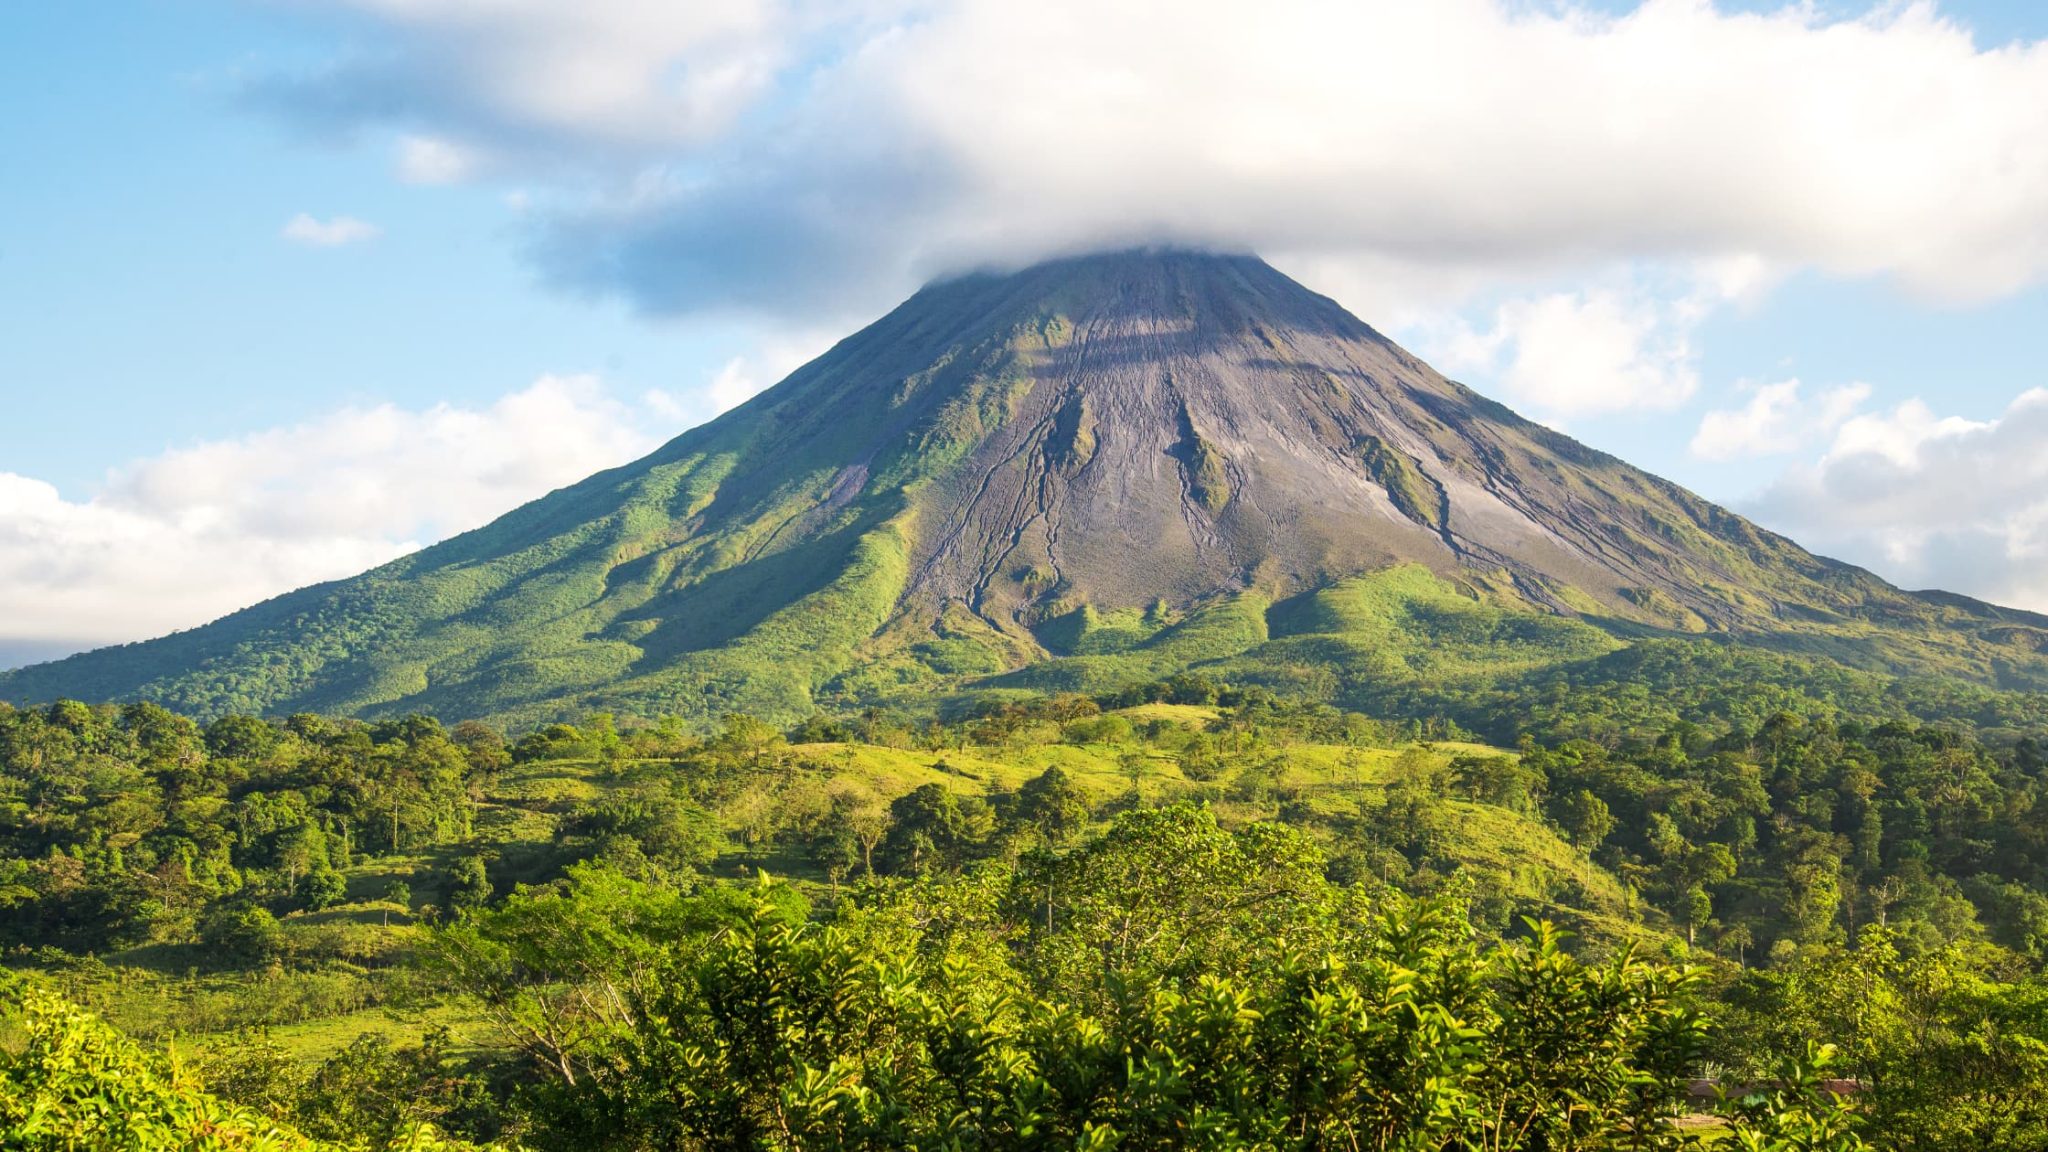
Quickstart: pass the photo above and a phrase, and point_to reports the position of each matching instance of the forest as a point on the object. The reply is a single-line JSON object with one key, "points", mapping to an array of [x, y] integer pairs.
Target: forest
{"points": [[1182, 913]]}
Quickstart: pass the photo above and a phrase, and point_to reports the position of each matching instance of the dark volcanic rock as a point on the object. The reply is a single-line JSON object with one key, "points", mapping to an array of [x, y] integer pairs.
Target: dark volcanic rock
{"points": [[1190, 423]]}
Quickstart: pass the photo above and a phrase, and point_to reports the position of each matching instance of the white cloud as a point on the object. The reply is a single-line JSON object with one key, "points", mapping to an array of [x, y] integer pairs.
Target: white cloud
{"points": [[734, 384], [764, 154], [1578, 353], [426, 160], [1930, 501], [742, 377], [1900, 436], [618, 73], [671, 407], [331, 233], [1775, 421], [179, 539], [1622, 342]]}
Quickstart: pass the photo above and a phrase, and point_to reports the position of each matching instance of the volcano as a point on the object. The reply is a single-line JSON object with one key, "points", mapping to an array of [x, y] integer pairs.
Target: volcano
{"points": [[1170, 459]]}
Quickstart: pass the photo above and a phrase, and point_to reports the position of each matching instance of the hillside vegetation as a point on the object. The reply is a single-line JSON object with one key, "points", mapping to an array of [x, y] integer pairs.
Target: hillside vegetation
{"points": [[1123, 704], [1018, 928], [1093, 471]]}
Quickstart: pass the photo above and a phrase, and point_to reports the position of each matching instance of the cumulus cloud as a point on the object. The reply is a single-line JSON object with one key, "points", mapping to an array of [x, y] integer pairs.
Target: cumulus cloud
{"points": [[331, 233], [181, 538], [1623, 341], [1567, 354], [783, 155], [1930, 501], [1775, 421]]}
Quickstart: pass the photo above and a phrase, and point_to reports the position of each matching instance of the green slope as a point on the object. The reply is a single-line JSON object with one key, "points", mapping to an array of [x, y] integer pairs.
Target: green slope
{"points": [[1085, 474]]}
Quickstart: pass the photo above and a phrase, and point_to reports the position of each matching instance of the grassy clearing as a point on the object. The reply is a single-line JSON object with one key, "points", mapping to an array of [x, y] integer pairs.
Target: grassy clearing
{"points": [[1196, 716]]}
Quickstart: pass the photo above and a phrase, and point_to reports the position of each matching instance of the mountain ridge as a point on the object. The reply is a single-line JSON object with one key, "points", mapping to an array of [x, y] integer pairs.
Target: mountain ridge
{"points": [[976, 482]]}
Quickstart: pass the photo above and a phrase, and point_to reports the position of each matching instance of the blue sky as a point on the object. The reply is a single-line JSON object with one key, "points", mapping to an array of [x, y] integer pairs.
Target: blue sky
{"points": [[152, 300], [562, 234]]}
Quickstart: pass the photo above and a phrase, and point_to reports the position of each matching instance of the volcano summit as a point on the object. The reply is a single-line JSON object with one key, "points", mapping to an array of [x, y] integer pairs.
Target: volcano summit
{"points": [[1113, 466]]}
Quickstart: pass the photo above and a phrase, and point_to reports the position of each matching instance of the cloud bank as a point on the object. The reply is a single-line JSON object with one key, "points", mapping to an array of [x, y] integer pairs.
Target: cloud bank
{"points": [[1619, 343], [1776, 420], [179, 539], [1930, 501], [785, 156]]}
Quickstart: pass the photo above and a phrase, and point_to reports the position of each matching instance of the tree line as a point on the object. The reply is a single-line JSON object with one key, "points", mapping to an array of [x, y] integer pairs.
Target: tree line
{"points": [[1248, 958]]}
